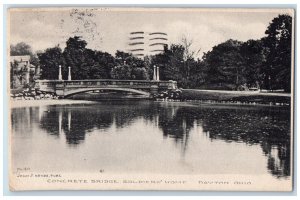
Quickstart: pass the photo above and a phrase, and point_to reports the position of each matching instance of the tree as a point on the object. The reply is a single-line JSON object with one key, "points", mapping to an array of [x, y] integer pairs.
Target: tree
{"points": [[178, 64], [253, 55], [77, 58], [50, 61], [122, 72], [21, 49], [15, 75], [278, 49], [18, 76], [188, 56], [87, 63], [170, 63], [139, 73], [198, 75], [225, 65], [104, 63], [129, 67]]}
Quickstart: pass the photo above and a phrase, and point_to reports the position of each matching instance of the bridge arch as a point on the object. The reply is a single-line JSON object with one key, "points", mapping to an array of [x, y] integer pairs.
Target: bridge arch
{"points": [[68, 93]]}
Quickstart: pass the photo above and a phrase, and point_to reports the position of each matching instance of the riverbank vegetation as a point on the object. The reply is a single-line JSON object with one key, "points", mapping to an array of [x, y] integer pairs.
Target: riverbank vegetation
{"points": [[230, 65]]}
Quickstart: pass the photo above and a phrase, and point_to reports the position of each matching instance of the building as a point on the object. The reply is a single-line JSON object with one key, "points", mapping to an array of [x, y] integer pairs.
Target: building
{"points": [[147, 43], [21, 61], [23, 72]]}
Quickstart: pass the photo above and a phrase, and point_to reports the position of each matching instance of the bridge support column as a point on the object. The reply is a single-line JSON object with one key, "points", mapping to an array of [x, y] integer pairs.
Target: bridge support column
{"points": [[154, 73], [154, 89], [59, 73], [60, 92], [157, 75], [60, 88], [69, 74]]}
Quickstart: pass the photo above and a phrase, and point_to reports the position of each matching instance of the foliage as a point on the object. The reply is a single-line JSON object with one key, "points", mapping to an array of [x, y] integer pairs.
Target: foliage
{"points": [[129, 67], [225, 64], [49, 62], [177, 64], [252, 52], [232, 65], [21, 49], [15, 75], [90, 64], [278, 52], [264, 63], [85, 63]]}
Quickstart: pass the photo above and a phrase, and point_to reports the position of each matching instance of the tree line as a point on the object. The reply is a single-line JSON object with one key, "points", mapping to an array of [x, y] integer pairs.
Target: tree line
{"points": [[231, 65], [235, 65]]}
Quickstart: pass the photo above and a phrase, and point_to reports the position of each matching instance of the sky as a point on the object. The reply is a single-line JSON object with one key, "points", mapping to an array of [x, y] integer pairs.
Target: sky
{"points": [[107, 29]]}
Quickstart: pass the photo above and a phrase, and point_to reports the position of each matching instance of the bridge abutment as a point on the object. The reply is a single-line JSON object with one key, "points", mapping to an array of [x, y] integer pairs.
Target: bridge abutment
{"points": [[60, 89], [153, 89]]}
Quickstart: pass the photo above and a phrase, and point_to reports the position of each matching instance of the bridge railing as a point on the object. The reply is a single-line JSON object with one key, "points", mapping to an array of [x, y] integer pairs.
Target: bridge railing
{"points": [[106, 82]]}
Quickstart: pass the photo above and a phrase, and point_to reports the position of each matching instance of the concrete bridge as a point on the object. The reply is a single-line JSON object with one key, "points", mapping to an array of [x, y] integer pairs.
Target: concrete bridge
{"points": [[65, 88]]}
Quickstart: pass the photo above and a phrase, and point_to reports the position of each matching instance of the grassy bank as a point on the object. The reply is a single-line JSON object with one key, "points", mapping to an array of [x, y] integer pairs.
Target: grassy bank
{"points": [[236, 96]]}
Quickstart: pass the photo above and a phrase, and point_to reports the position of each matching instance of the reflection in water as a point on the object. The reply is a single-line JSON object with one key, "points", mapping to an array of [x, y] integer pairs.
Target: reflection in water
{"points": [[268, 127], [23, 119]]}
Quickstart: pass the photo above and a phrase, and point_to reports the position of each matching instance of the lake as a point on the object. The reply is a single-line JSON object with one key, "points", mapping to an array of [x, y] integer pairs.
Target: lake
{"points": [[153, 137]]}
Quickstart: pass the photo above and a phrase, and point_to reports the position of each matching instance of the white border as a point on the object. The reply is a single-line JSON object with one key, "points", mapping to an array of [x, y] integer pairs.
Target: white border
{"points": [[165, 3]]}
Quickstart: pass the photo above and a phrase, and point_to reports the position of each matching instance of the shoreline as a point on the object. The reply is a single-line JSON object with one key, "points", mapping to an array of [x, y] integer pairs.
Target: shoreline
{"points": [[30, 103], [245, 93], [213, 97]]}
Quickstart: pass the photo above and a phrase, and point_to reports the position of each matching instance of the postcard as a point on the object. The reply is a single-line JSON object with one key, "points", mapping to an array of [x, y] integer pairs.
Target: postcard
{"points": [[108, 98]]}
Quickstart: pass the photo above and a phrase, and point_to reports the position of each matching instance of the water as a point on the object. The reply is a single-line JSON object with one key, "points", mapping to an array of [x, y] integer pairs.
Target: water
{"points": [[153, 137]]}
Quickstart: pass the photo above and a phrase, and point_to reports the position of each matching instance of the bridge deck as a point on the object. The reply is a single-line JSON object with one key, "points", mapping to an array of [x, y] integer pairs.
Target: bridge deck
{"points": [[65, 87]]}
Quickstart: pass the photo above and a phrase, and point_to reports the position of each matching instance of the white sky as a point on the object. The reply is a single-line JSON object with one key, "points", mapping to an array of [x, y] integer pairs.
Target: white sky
{"points": [[108, 29]]}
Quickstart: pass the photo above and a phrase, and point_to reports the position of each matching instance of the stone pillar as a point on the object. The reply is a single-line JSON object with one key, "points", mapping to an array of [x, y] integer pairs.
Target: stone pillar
{"points": [[69, 74], [59, 74], [157, 76], [154, 73], [37, 70], [27, 74]]}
